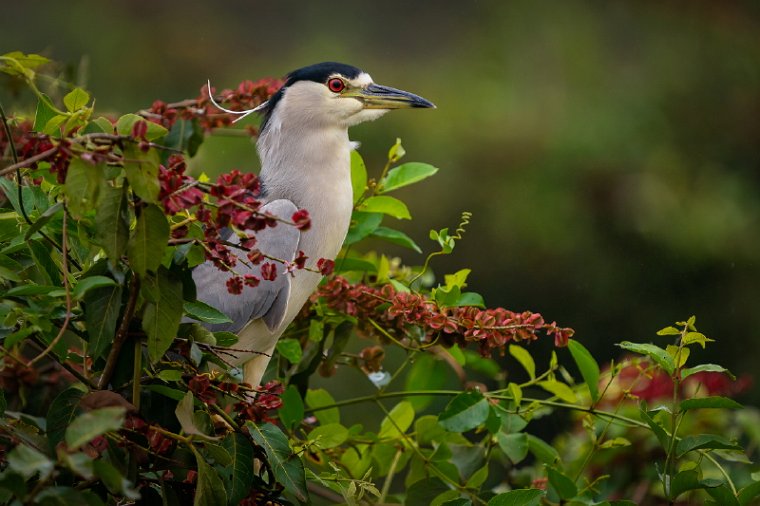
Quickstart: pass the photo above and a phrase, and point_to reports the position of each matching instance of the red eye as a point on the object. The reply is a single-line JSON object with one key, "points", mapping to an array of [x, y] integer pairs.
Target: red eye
{"points": [[336, 85]]}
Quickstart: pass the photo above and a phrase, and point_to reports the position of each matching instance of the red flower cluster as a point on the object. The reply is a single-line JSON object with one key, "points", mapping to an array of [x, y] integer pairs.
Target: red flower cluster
{"points": [[400, 311], [177, 189], [264, 405]]}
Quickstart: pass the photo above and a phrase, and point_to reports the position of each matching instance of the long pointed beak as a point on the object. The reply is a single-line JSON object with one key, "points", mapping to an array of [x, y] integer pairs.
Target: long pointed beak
{"points": [[376, 96]]}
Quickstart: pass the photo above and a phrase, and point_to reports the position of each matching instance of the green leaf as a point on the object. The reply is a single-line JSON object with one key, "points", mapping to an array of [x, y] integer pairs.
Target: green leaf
{"points": [[224, 338], [396, 237], [514, 446], [125, 123], [292, 411], [203, 312], [358, 175], [76, 99], [748, 493], [396, 152], [587, 365], [526, 360], [564, 486], [210, 490], [354, 264], [668, 331], [685, 373], [27, 462], [559, 389], [161, 317], [683, 482], [45, 112], [112, 222], [385, 205], [660, 356], [142, 172], [316, 398], [426, 373], [113, 480], [329, 436], [185, 413], [83, 184], [239, 472], [290, 349], [658, 430], [398, 421], [465, 412], [63, 410], [90, 283], [616, 442], [697, 337], [722, 495], [146, 247], [43, 220], [714, 402], [102, 316], [542, 450], [185, 135], [362, 225], [705, 441], [406, 174], [92, 424], [519, 497], [287, 467], [423, 492]]}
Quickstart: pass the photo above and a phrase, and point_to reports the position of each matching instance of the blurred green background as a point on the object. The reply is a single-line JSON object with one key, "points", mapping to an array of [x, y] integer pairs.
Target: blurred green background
{"points": [[610, 151]]}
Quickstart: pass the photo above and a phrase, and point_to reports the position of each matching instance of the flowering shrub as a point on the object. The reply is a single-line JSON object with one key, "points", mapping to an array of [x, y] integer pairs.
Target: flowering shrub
{"points": [[107, 397]]}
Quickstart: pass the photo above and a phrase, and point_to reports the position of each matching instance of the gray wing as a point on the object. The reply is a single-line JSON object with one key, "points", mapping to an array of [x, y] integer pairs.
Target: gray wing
{"points": [[269, 300]]}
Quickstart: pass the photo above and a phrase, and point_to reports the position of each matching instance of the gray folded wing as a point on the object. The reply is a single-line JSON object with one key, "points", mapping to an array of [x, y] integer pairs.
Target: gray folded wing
{"points": [[269, 300]]}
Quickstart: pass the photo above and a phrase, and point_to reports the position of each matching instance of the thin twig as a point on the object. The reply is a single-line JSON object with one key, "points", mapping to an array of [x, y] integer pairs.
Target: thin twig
{"points": [[67, 289], [121, 333]]}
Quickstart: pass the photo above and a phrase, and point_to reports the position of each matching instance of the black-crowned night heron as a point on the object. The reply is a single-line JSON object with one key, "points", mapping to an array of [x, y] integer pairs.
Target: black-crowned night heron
{"points": [[305, 164]]}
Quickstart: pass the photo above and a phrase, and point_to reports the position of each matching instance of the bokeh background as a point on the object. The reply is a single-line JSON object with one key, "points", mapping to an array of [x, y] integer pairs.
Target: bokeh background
{"points": [[609, 151]]}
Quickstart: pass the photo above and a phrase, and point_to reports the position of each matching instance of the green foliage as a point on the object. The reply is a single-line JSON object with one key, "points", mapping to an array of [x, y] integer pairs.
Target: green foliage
{"points": [[94, 285]]}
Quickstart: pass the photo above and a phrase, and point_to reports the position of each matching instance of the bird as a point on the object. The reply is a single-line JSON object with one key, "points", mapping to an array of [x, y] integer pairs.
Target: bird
{"points": [[305, 155]]}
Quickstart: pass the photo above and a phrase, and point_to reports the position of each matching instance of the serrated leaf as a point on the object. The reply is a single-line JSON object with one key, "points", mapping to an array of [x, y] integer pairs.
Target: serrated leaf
{"points": [[329, 436], [396, 237], [203, 312], [287, 467], [316, 398], [563, 485], [240, 471], [519, 497], [398, 421], [147, 245], [406, 174], [385, 205], [290, 349], [525, 359], [358, 175], [660, 356], [92, 424], [465, 412], [161, 317], [713, 402], [561, 390], [705, 441], [587, 365], [76, 99]]}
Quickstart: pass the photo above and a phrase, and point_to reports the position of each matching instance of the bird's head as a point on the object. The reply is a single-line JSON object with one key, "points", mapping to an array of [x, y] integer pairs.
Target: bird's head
{"points": [[334, 94]]}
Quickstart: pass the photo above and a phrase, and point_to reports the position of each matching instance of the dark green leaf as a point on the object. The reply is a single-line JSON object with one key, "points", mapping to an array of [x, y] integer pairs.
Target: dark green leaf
{"points": [[185, 135], [63, 410], [748, 493], [396, 237], [83, 184], [465, 412], [587, 365], [112, 222], [658, 430], [683, 482], [564, 486], [715, 402], [210, 490], [30, 289], [362, 225], [102, 316], [142, 172], [514, 446], [427, 373], [406, 174], [43, 220], [287, 467], [161, 317], [146, 247], [385, 205], [44, 113], [92, 424], [114, 481], [660, 356], [203, 312], [90, 283], [43, 257], [292, 411], [354, 264], [240, 471], [519, 497], [685, 373], [422, 492], [225, 338], [722, 495], [705, 441], [542, 450], [290, 349]]}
